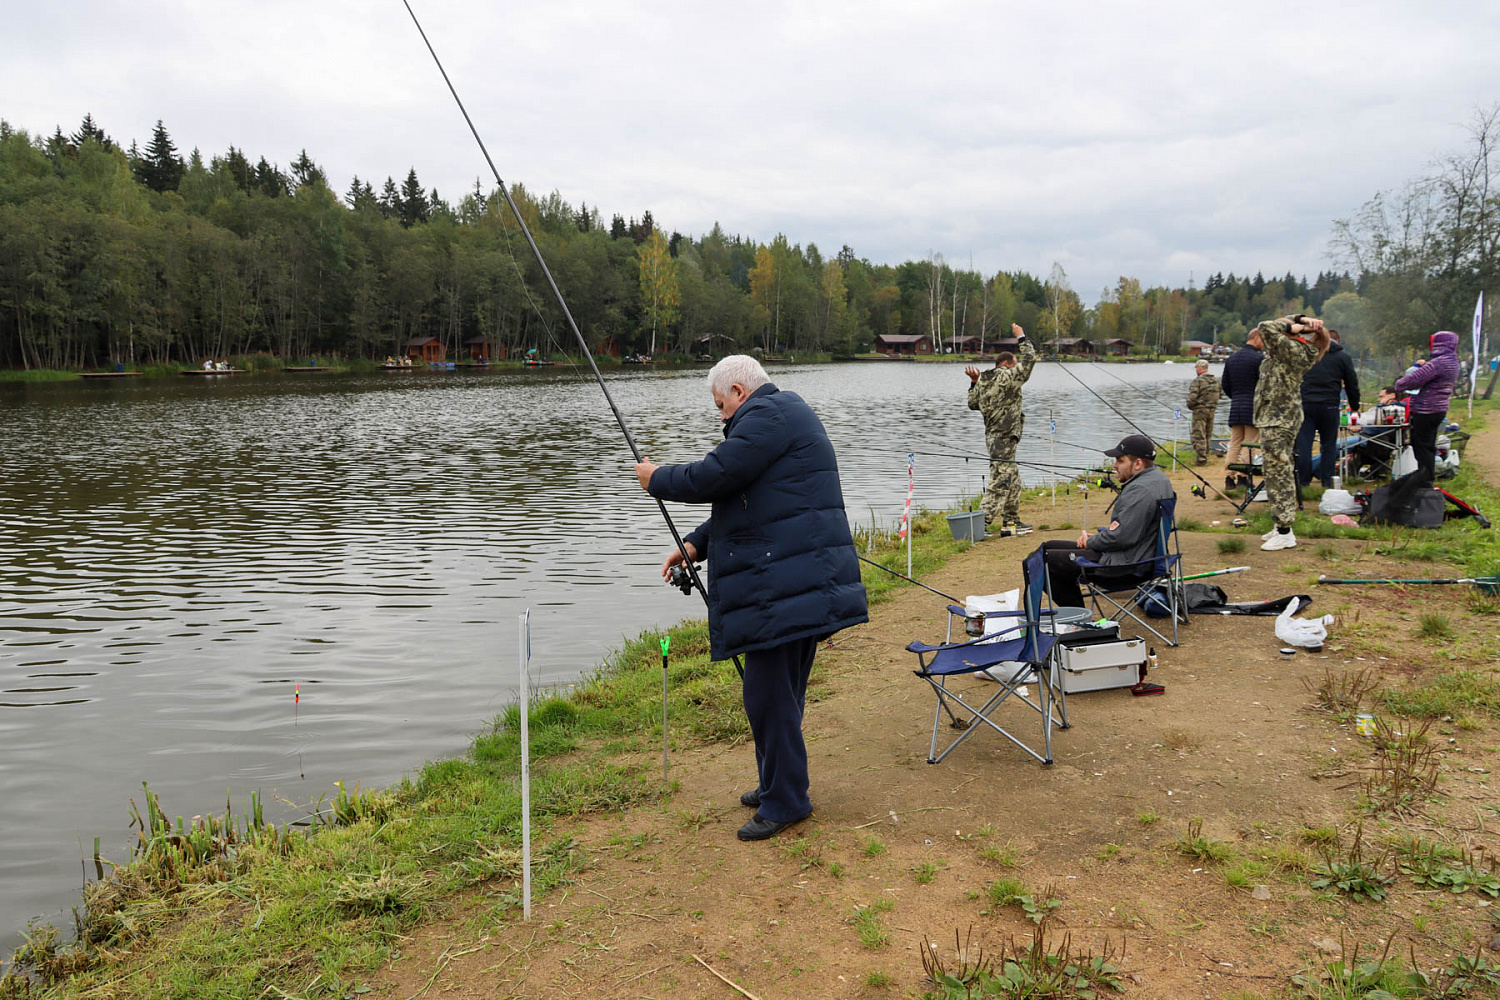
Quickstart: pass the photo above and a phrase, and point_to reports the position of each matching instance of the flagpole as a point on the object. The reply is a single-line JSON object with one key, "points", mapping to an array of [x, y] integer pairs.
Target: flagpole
{"points": [[1478, 336]]}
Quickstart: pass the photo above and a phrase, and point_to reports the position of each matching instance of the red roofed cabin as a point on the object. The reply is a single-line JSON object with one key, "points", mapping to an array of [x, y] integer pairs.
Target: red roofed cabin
{"points": [[903, 343], [1118, 346], [965, 345], [1195, 348], [425, 349]]}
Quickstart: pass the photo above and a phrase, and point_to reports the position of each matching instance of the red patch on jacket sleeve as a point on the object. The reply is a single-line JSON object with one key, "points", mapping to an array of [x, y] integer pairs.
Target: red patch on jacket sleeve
{"points": [[1114, 526]]}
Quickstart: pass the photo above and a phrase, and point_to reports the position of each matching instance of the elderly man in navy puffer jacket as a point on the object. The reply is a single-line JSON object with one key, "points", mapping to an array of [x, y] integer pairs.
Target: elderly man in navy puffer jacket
{"points": [[1435, 380], [782, 570]]}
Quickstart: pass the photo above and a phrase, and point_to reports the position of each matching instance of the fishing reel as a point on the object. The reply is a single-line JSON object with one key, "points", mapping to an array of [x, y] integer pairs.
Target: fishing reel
{"points": [[1107, 483], [1199, 492], [681, 579]]}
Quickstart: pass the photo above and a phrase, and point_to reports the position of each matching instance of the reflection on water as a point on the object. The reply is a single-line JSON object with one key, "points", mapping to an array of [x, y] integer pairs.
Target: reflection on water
{"points": [[178, 559]]}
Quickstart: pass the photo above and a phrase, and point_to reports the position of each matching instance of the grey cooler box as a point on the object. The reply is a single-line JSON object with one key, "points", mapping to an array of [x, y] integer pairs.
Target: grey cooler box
{"points": [[1097, 660]]}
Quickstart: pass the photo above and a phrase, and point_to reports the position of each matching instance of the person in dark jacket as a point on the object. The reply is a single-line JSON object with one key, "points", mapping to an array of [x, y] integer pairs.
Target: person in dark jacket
{"points": [[1321, 387], [1435, 379], [1129, 539], [782, 570], [1241, 373]]}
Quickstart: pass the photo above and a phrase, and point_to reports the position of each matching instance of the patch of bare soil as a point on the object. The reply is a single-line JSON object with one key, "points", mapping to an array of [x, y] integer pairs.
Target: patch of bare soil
{"points": [[899, 850]]}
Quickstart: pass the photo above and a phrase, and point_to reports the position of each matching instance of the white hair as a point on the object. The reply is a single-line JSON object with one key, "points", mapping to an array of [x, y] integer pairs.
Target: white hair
{"points": [[737, 368]]}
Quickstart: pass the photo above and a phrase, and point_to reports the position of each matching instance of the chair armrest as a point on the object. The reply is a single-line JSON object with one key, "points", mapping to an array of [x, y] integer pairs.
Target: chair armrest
{"points": [[954, 609]]}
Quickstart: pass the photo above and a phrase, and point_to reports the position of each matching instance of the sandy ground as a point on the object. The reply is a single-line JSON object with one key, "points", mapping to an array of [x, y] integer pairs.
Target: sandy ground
{"points": [[668, 891]]}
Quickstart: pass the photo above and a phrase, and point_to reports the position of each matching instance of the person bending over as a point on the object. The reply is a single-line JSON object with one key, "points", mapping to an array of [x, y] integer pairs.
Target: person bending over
{"points": [[782, 570], [1129, 538], [1293, 344], [997, 395]]}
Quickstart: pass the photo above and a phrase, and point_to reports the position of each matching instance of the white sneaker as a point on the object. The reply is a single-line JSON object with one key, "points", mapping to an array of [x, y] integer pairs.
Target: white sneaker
{"points": [[1269, 535], [1278, 541]]}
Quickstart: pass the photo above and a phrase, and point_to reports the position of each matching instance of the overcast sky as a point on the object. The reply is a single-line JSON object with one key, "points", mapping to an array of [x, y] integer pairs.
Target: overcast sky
{"points": [[1151, 140]]}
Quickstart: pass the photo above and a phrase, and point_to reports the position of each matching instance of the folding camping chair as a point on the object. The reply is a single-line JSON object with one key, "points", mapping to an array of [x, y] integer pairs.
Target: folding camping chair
{"points": [[1021, 654], [1158, 579]]}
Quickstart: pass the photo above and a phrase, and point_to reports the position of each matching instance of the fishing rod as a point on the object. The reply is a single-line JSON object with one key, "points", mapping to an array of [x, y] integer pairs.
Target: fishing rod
{"points": [[1137, 388], [909, 579], [687, 562], [1132, 423]]}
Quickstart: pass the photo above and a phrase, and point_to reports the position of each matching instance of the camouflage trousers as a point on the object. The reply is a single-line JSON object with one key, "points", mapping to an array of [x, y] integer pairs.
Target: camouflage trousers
{"points": [[1276, 444], [1002, 494], [1203, 433]]}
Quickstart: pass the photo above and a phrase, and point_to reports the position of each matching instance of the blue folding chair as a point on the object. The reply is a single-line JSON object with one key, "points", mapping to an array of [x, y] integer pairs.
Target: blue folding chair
{"points": [[1157, 580], [1021, 654]]}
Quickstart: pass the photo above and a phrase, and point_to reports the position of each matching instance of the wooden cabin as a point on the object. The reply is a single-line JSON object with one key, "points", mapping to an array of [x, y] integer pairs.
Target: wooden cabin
{"points": [[480, 348], [1118, 347], [425, 350], [609, 347], [1073, 345], [903, 343], [1194, 348], [965, 345], [1011, 344]]}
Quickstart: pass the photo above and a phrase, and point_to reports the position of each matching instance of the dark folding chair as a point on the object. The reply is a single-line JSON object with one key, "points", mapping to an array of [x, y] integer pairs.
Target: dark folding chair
{"points": [[1021, 654], [1158, 579]]}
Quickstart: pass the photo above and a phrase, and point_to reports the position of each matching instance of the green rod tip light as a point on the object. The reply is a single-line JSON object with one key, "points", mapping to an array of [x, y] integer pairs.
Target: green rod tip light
{"points": [[666, 644]]}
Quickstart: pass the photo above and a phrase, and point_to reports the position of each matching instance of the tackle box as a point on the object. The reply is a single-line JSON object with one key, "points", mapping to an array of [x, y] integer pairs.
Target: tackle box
{"points": [[1097, 660]]}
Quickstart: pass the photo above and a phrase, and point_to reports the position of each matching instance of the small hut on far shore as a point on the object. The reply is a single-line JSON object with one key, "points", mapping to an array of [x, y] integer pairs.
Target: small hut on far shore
{"points": [[425, 350]]}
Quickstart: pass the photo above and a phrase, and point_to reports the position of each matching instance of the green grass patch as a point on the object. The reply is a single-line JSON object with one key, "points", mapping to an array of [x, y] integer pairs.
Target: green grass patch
{"points": [[1454, 692], [1232, 545]]}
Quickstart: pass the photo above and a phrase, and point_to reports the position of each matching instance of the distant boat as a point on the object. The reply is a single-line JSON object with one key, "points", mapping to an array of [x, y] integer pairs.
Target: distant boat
{"points": [[108, 374], [214, 371], [531, 363], [636, 359], [398, 368], [307, 368]]}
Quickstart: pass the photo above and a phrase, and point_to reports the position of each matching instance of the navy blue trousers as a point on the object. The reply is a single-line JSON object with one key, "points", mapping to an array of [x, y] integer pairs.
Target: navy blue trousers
{"points": [[775, 694], [1322, 420]]}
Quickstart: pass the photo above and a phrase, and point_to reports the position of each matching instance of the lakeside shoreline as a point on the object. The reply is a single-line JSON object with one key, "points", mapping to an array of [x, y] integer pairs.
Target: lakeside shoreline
{"points": [[373, 878]]}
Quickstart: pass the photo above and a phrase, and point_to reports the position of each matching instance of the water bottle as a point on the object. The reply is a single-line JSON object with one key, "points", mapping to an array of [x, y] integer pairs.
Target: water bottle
{"points": [[1338, 482], [1343, 418]]}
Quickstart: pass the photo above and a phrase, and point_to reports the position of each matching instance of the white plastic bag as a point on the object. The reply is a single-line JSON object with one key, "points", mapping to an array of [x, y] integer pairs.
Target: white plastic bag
{"points": [[1009, 600], [1305, 632], [1338, 502]]}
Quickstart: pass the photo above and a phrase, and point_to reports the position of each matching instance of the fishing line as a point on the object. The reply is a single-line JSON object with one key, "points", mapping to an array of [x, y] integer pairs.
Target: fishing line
{"points": [[1137, 388], [1148, 437], [562, 304], [909, 579]]}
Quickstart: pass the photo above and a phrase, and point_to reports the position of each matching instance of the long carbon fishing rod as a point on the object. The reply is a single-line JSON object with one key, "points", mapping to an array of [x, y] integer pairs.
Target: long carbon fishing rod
{"points": [[1149, 437], [563, 305], [908, 579]]}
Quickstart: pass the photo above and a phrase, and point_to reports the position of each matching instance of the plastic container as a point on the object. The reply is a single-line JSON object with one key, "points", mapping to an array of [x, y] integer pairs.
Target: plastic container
{"points": [[967, 526], [1066, 620]]}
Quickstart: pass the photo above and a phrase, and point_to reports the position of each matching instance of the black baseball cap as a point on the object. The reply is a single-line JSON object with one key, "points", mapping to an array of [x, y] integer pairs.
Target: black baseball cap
{"points": [[1136, 445]]}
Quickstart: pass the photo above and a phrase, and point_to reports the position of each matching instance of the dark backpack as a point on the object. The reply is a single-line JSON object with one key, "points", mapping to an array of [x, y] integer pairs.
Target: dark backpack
{"points": [[1411, 501]]}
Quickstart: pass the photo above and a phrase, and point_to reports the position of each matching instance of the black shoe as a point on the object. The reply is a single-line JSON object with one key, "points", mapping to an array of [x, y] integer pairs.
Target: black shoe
{"points": [[1021, 526], [760, 828], [750, 799], [1230, 482]]}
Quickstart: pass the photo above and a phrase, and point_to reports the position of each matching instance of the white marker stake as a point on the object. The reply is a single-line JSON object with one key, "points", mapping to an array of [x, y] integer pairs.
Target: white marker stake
{"points": [[1052, 447], [525, 769]]}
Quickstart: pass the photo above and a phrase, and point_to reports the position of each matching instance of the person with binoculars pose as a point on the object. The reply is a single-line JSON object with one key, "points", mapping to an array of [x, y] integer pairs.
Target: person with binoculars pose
{"points": [[782, 570]]}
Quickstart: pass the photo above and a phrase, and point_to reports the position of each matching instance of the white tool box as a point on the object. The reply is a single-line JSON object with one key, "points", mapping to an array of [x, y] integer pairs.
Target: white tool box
{"points": [[1098, 666]]}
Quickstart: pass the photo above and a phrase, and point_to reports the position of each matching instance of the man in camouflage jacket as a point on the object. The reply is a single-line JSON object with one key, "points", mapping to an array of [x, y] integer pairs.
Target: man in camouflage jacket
{"points": [[1203, 400], [1293, 344], [996, 394]]}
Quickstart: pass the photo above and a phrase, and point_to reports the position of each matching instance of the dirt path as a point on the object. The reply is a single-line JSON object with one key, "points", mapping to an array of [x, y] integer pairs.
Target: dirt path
{"points": [[1234, 740]]}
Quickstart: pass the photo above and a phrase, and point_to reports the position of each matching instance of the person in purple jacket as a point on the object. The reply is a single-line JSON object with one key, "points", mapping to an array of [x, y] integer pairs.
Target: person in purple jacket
{"points": [[1435, 380]]}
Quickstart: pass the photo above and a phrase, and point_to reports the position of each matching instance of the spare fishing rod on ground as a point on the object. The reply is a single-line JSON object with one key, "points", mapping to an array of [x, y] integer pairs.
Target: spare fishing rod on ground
{"points": [[691, 570], [1138, 430]]}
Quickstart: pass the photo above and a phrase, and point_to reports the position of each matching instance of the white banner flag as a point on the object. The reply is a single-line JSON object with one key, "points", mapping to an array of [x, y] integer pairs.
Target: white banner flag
{"points": [[1478, 333]]}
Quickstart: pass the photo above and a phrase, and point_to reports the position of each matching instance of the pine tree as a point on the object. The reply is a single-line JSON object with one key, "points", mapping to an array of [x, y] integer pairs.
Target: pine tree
{"points": [[413, 204], [89, 130], [306, 171], [58, 145], [617, 230], [161, 168], [390, 200], [239, 169], [270, 180]]}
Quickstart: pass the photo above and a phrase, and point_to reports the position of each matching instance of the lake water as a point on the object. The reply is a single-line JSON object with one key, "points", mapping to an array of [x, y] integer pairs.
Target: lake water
{"points": [[179, 557]]}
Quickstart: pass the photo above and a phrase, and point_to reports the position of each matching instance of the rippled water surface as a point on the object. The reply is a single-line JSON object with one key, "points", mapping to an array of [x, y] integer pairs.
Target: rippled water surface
{"points": [[177, 558]]}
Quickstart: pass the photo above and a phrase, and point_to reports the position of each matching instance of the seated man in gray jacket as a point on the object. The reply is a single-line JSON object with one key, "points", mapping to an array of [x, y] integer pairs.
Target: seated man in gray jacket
{"points": [[1129, 538]]}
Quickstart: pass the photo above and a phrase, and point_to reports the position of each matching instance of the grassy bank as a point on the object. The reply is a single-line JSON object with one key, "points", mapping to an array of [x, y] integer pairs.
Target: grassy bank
{"points": [[226, 906]]}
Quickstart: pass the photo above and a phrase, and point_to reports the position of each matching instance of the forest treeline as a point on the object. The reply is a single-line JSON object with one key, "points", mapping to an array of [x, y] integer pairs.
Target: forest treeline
{"points": [[127, 255]]}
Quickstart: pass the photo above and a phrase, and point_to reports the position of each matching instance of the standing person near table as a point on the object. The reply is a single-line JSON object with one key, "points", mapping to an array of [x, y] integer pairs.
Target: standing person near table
{"points": [[1435, 379], [1293, 344], [997, 395], [1241, 374], [782, 571], [1321, 387], [1203, 401]]}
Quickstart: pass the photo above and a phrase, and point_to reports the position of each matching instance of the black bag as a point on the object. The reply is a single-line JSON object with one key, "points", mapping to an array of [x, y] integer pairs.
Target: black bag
{"points": [[1411, 501]]}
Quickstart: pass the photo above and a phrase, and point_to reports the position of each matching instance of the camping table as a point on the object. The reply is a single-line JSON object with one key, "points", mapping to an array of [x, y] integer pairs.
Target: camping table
{"points": [[1389, 441]]}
